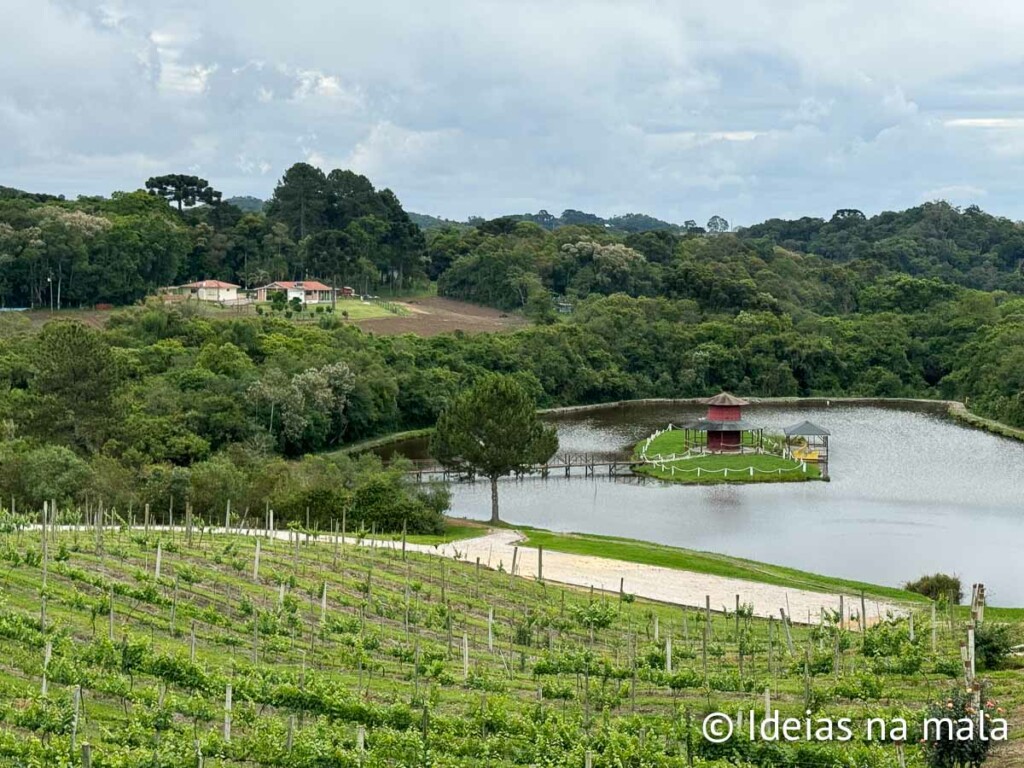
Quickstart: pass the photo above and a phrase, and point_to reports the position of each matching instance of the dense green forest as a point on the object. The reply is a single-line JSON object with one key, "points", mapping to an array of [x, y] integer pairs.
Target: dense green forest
{"points": [[926, 303], [117, 250]]}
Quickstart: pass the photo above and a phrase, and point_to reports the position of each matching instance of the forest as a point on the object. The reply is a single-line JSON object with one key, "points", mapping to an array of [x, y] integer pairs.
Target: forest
{"points": [[923, 303]]}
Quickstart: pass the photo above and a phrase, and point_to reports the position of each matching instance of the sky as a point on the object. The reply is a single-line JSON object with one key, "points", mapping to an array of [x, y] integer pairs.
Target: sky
{"points": [[748, 109]]}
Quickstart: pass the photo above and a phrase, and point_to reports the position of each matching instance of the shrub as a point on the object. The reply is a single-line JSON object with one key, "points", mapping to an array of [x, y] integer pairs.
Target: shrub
{"points": [[938, 586], [992, 644], [952, 752]]}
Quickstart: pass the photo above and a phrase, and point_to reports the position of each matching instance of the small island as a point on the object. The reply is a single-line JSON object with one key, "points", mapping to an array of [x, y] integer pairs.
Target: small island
{"points": [[722, 447]]}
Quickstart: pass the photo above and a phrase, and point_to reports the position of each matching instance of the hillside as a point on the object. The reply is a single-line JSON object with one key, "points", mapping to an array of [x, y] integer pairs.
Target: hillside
{"points": [[345, 655]]}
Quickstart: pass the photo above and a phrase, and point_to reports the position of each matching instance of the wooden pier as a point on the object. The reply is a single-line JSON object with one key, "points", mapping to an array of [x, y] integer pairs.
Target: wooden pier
{"points": [[561, 465]]}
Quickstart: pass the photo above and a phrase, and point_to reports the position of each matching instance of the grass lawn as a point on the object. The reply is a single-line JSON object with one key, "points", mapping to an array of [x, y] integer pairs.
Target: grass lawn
{"points": [[721, 468], [706, 562], [454, 530]]}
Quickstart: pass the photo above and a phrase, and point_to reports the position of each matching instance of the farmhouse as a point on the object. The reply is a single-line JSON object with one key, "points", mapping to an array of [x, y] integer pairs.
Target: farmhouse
{"points": [[306, 291], [210, 290]]}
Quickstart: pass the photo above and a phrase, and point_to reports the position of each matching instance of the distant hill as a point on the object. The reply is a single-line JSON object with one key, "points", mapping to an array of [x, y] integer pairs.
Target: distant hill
{"points": [[246, 203], [626, 224], [427, 222], [10, 193]]}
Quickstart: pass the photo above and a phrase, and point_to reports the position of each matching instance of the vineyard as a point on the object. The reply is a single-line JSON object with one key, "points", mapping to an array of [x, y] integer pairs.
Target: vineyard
{"points": [[192, 647]]}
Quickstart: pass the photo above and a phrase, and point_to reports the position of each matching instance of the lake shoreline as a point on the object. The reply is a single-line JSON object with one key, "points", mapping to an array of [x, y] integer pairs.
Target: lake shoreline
{"points": [[954, 409]]}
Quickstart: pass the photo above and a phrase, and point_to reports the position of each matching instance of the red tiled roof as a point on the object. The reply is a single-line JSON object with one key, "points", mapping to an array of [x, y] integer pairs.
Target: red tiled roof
{"points": [[210, 284], [307, 285]]}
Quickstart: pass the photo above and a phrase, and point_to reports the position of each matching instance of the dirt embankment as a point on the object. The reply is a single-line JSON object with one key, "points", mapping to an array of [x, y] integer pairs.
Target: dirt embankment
{"points": [[434, 315]]}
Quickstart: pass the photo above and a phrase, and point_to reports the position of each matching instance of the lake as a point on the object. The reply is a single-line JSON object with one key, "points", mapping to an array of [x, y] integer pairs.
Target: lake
{"points": [[912, 492]]}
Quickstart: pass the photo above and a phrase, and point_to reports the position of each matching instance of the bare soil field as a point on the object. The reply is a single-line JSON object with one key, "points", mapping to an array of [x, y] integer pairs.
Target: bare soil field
{"points": [[433, 315]]}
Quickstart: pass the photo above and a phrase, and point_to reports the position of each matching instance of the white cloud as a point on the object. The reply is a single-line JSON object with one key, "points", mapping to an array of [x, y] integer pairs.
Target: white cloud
{"points": [[745, 108], [985, 122]]}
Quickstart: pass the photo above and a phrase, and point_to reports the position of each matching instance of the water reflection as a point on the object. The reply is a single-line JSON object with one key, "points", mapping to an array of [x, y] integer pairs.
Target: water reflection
{"points": [[911, 493]]}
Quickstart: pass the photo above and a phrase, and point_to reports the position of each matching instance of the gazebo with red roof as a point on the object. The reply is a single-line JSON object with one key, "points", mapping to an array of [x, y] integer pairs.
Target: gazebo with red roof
{"points": [[724, 425]]}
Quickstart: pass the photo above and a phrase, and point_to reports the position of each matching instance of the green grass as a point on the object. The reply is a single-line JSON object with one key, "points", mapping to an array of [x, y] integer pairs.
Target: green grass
{"points": [[722, 467], [707, 562], [454, 530]]}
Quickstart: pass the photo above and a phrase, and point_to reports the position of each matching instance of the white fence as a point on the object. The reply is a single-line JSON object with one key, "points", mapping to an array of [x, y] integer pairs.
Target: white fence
{"points": [[665, 463]]}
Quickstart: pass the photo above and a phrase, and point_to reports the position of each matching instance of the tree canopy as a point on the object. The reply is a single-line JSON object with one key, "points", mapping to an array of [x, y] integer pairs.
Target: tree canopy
{"points": [[492, 429]]}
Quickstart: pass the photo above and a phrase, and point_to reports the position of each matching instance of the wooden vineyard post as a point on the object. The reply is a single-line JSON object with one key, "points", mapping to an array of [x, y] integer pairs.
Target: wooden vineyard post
{"points": [[323, 605], [668, 654], [192, 642], [110, 621], [490, 629], [227, 713], [174, 605], [737, 618], [863, 616], [704, 639], [912, 635], [289, 741], [47, 653], [789, 636], [361, 742], [657, 629], [256, 563], [227, 517], [405, 530], [934, 638], [540, 563], [76, 706], [46, 507], [807, 678], [159, 558], [588, 759], [465, 656], [86, 755]]}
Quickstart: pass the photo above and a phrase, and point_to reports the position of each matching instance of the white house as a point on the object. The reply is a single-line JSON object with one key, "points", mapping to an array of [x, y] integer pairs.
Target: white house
{"points": [[211, 290], [306, 291]]}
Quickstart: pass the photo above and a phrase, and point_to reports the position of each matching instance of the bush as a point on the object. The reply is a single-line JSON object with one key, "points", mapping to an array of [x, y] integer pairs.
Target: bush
{"points": [[992, 644], [938, 587], [957, 753]]}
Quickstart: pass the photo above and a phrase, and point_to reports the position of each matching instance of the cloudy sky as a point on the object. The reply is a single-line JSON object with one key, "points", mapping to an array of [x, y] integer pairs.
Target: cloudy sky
{"points": [[748, 109]]}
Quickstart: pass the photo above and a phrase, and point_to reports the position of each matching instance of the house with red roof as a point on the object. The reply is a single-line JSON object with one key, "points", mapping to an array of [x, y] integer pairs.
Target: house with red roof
{"points": [[211, 290], [306, 291]]}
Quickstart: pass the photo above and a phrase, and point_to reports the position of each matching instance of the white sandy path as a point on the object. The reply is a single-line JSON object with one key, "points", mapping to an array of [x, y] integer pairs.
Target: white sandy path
{"points": [[667, 585]]}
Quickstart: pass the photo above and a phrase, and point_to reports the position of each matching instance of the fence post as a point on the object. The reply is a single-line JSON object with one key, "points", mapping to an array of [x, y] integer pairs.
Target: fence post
{"points": [[227, 713]]}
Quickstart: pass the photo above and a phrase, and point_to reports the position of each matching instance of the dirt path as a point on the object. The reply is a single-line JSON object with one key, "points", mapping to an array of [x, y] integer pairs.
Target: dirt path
{"points": [[434, 315], [667, 585]]}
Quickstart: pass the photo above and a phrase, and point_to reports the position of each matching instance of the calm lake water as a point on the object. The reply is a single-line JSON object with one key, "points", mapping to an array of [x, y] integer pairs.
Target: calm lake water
{"points": [[911, 493]]}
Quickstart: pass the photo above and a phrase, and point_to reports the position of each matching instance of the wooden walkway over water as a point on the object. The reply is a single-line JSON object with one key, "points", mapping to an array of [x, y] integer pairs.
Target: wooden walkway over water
{"points": [[562, 464]]}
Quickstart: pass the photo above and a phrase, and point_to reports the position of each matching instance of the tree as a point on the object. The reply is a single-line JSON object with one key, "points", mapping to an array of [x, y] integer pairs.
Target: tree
{"points": [[183, 189], [492, 429], [300, 200], [79, 375], [717, 225]]}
